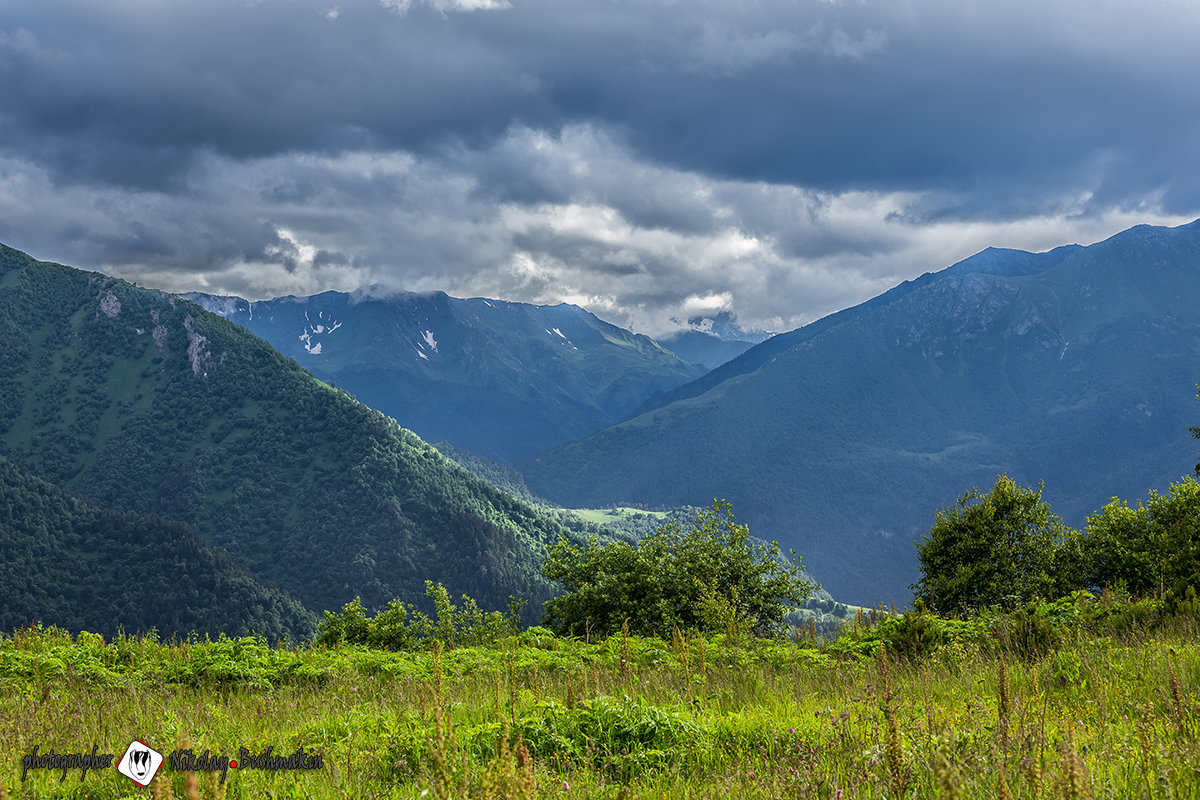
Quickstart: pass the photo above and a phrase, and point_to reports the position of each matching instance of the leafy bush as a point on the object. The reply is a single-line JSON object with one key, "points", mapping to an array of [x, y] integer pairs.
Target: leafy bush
{"points": [[1001, 549], [617, 734], [1182, 599], [709, 577], [1027, 634], [400, 626], [913, 635], [1147, 549]]}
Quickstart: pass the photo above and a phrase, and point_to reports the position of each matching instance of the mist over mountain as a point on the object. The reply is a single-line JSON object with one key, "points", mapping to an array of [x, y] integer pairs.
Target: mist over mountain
{"points": [[505, 380], [842, 438]]}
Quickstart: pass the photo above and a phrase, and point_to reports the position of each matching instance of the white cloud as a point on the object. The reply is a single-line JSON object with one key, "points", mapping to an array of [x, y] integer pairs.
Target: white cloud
{"points": [[446, 6], [844, 45], [637, 243]]}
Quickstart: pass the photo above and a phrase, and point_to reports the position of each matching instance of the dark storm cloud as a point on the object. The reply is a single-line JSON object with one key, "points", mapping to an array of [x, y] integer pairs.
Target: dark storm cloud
{"points": [[91, 84], [647, 158], [881, 95]]}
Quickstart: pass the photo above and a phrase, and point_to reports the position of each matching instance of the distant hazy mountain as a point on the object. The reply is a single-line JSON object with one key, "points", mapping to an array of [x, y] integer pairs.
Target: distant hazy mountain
{"points": [[136, 401], [843, 438], [711, 340], [725, 326], [703, 348], [505, 380]]}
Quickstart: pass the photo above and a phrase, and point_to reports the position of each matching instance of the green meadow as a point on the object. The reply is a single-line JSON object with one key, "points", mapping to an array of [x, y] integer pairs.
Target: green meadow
{"points": [[603, 516], [1086, 697]]}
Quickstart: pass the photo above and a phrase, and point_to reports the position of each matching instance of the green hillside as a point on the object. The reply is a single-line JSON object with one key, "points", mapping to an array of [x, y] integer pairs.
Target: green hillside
{"points": [[1077, 367], [87, 569], [136, 401]]}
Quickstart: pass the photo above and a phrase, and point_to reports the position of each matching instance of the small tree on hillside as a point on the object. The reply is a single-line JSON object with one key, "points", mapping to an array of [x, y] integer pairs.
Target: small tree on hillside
{"points": [[1001, 549], [708, 577]]}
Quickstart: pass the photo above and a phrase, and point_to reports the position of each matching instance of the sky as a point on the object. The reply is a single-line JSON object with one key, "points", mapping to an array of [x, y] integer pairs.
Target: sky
{"points": [[649, 160]]}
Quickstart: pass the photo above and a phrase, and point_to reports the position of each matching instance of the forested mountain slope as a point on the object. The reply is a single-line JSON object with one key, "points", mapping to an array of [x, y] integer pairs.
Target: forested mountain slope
{"points": [[68, 564], [136, 401], [843, 438], [505, 380]]}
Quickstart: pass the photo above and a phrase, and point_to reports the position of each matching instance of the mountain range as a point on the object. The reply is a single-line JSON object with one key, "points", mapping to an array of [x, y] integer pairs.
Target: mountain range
{"points": [[504, 380], [194, 462], [1076, 367]]}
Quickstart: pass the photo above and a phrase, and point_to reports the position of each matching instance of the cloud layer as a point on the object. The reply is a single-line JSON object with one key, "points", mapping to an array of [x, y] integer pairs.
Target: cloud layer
{"points": [[647, 159]]}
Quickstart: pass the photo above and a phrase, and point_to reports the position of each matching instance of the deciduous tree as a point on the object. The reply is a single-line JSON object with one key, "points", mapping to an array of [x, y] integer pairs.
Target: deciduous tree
{"points": [[1148, 549], [710, 576], [1000, 549]]}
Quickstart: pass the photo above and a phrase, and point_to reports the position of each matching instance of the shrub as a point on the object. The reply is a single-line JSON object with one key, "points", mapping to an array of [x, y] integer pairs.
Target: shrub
{"points": [[914, 634], [1000, 549], [710, 577], [1148, 549], [1182, 600], [400, 626], [1027, 634]]}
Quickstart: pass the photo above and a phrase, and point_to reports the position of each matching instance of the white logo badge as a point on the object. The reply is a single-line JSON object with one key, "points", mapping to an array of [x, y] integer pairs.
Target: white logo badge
{"points": [[140, 762]]}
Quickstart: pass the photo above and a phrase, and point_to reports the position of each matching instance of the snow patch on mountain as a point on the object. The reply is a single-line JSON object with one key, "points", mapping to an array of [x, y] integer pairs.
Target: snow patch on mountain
{"points": [[311, 330], [309, 345]]}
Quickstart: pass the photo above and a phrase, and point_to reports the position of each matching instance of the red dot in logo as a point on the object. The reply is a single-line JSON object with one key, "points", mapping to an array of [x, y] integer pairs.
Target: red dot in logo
{"points": [[233, 765]]}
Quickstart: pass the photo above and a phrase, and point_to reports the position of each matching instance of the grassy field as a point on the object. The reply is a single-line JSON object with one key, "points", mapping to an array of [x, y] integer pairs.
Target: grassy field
{"points": [[603, 516], [1081, 702]]}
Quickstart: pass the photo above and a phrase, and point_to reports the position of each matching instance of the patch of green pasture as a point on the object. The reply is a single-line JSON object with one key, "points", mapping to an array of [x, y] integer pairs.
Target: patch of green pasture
{"points": [[601, 516]]}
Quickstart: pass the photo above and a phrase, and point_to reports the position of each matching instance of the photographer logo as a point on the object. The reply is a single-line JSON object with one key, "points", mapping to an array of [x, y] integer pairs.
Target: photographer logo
{"points": [[140, 762]]}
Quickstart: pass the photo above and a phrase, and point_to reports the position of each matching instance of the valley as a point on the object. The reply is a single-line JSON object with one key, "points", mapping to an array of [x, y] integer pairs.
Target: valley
{"points": [[840, 439]]}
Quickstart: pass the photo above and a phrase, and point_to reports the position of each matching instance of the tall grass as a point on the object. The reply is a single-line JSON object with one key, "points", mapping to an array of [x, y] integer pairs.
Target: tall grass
{"points": [[1094, 712]]}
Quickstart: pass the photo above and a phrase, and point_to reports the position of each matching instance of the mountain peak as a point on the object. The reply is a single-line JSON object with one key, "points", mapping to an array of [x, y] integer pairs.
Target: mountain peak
{"points": [[1004, 261]]}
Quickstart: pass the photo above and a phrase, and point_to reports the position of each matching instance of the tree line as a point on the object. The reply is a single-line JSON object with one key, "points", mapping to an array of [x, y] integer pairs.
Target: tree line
{"points": [[1006, 547]]}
